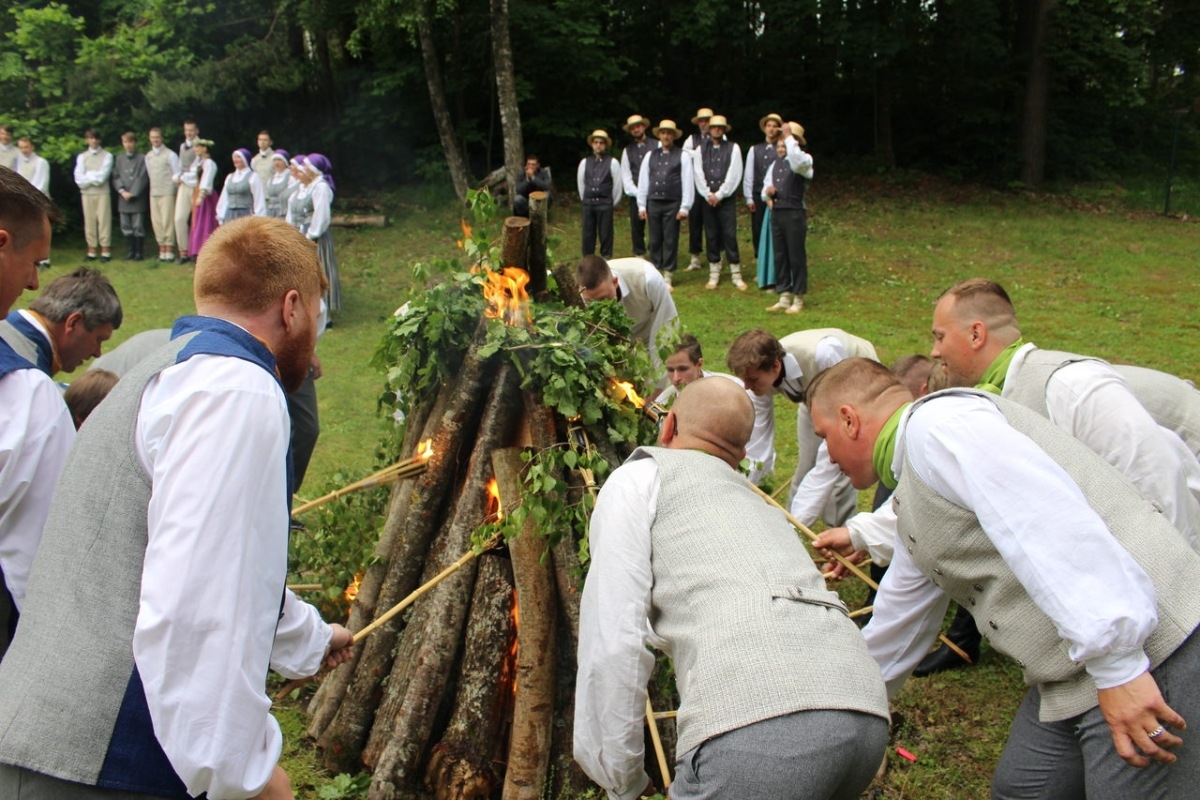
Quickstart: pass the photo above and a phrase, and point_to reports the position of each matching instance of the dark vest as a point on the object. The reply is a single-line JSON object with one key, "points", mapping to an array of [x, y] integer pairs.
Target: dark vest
{"points": [[666, 174], [598, 181], [637, 153], [763, 156], [716, 163], [789, 187]]}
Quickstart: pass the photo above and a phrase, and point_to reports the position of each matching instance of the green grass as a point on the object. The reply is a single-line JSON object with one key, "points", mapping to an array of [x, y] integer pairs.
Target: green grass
{"points": [[1093, 270]]}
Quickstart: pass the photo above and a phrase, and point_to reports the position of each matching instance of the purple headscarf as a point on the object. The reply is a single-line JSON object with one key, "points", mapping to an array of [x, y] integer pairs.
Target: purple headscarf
{"points": [[281, 154], [322, 165], [245, 154]]}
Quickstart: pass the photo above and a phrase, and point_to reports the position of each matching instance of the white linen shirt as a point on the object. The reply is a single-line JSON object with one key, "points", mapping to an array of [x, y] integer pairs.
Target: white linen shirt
{"points": [[965, 450], [614, 170], [818, 485], [41, 171], [86, 178], [733, 175], [685, 181], [258, 205], [36, 433], [213, 432]]}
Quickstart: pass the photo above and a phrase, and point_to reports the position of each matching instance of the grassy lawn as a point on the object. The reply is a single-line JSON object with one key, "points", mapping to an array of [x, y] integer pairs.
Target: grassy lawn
{"points": [[1089, 271]]}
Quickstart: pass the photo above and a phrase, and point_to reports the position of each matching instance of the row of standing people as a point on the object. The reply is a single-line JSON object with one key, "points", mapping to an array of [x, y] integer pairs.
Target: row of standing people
{"points": [[176, 193], [773, 180]]}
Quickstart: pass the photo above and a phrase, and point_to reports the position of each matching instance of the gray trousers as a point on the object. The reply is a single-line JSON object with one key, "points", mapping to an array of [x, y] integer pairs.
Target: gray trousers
{"points": [[1075, 758], [22, 784], [808, 755]]}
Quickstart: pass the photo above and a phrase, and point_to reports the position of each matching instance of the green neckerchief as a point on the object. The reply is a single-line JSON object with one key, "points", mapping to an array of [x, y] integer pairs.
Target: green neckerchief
{"points": [[884, 454], [992, 379]]}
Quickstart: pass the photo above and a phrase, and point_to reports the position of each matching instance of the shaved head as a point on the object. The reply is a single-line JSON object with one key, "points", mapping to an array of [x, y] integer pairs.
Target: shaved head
{"points": [[860, 382], [714, 415]]}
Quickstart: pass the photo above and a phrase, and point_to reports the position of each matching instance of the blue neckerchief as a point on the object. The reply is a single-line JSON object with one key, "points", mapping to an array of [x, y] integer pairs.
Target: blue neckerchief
{"points": [[45, 351], [11, 360]]}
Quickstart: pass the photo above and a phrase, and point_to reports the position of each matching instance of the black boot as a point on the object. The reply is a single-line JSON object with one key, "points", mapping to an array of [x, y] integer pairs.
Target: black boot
{"points": [[965, 635], [139, 244], [130, 253]]}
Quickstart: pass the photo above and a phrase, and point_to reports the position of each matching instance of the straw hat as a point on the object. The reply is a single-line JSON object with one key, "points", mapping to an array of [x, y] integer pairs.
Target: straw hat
{"points": [[704, 113], [762, 123], [797, 131], [636, 119], [599, 134], [667, 125], [203, 142], [718, 121]]}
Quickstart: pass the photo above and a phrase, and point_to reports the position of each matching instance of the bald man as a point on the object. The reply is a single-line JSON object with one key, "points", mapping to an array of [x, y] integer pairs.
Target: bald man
{"points": [[774, 680], [996, 509]]}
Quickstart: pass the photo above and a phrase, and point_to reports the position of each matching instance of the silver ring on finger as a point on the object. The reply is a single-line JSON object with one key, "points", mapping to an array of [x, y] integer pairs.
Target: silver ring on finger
{"points": [[1157, 732]]}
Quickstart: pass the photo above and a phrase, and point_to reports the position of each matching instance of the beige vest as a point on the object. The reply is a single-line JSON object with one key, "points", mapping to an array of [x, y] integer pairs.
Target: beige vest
{"points": [[92, 162], [948, 545], [158, 166], [751, 628], [802, 346], [636, 302]]}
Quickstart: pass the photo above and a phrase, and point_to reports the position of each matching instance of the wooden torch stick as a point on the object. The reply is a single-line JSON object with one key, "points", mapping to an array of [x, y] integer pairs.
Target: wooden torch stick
{"points": [[800, 526], [651, 719], [388, 474]]}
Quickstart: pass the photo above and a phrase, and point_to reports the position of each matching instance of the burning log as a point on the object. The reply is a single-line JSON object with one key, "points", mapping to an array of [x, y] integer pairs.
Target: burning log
{"points": [[529, 747], [514, 252]]}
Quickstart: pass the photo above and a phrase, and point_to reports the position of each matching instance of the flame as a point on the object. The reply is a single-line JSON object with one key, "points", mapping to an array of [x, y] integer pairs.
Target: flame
{"points": [[493, 489], [352, 590], [514, 650], [506, 296], [623, 390], [466, 229], [425, 449]]}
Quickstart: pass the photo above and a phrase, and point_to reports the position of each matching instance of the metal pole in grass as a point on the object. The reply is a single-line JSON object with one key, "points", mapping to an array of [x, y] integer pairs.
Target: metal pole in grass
{"points": [[1174, 155]]}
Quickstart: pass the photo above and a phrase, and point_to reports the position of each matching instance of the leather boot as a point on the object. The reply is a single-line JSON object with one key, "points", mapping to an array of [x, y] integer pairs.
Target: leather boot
{"points": [[964, 634], [138, 243], [130, 252]]}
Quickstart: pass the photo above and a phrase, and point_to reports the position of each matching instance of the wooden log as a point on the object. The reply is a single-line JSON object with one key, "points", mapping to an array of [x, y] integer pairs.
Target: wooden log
{"points": [[514, 252], [533, 713], [343, 739], [420, 425], [539, 216], [568, 289], [358, 220], [462, 764], [414, 691]]}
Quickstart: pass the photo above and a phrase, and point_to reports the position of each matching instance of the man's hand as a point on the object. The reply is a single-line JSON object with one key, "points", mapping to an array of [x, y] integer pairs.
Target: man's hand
{"points": [[834, 539], [341, 646], [279, 787], [1134, 711], [682, 215], [713, 200], [315, 366], [641, 215], [771, 190], [750, 206]]}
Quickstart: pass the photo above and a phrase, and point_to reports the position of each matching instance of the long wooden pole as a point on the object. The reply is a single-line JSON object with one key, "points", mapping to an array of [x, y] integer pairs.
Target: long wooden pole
{"points": [[404, 469], [800, 526]]}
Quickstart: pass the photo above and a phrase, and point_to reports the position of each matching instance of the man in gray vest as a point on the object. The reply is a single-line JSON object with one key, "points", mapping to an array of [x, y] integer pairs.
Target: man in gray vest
{"points": [[93, 168], [131, 182], [665, 190], [779, 699], [718, 171], [183, 192], [695, 215], [599, 182], [178, 493], [631, 168], [35, 428], [760, 159], [1070, 572], [640, 289], [162, 166], [770, 366], [67, 323]]}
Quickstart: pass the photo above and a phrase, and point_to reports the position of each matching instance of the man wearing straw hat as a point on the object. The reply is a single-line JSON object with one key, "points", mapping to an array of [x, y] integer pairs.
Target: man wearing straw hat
{"points": [[718, 171], [696, 215], [139, 671], [759, 161], [778, 697], [599, 181], [35, 427], [631, 167], [995, 507], [665, 193]]}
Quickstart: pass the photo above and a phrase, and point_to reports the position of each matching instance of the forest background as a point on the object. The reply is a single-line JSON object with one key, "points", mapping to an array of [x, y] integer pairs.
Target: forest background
{"points": [[437, 93]]}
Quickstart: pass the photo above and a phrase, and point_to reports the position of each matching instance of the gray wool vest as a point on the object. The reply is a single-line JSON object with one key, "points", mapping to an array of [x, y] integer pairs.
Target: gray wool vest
{"points": [[802, 346], [1172, 402], [948, 545], [636, 301], [752, 630], [57, 716]]}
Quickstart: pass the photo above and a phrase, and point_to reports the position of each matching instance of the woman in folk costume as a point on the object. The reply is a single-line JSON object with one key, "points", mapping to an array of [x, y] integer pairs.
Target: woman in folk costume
{"points": [[243, 195], [310, 211], [204, 199], [281, 186]]}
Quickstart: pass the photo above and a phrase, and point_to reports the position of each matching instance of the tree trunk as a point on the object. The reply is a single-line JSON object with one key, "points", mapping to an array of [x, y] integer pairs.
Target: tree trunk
{"points": [[515, 251], [414, 693], [461, 766], [506, 94], [1035, 24], [539, 207], [437, 100], [344, 738], [529, 747]]}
